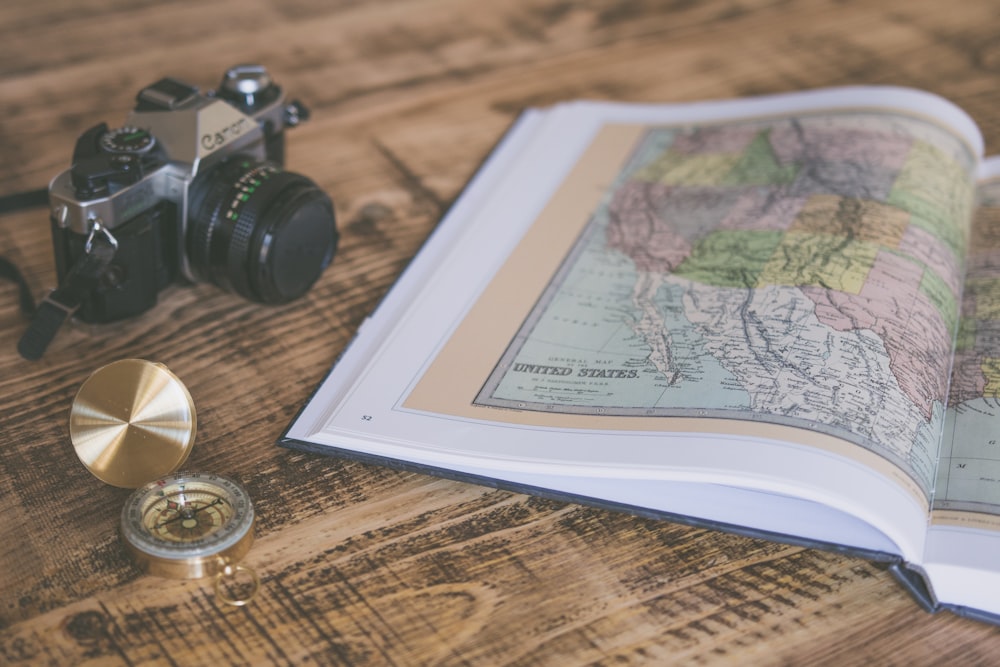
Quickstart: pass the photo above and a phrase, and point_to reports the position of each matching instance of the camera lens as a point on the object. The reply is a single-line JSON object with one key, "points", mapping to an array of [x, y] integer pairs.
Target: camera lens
{"points": [[259, 231]]}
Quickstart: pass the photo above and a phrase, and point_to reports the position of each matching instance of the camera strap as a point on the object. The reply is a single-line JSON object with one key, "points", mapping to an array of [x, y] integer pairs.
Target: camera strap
{"points": [[63, 301], [10, 271]]}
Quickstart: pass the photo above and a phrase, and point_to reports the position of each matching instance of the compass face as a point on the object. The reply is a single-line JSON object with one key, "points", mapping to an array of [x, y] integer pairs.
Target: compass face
{"points": [[188, 513], [187, 516]]}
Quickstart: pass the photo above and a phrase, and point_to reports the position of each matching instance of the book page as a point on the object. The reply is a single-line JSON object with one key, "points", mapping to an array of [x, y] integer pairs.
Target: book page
{"points": [[780, 273], [815, 372], [968, 485]]}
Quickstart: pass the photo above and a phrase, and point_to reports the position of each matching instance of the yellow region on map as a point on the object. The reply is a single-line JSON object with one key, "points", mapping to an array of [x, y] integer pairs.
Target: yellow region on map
{"points": [[991, 371], [865, 220], [673, 169], [925, 188], [806, 259]]}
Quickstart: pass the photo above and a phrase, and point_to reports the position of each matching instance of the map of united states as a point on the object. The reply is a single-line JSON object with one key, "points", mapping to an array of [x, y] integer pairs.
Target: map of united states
{"points": [[804, 271]]}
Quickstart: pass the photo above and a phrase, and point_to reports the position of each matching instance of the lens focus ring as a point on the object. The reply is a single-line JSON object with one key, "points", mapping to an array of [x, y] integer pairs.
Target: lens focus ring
{"points": [[242, 209], [263, 233]]}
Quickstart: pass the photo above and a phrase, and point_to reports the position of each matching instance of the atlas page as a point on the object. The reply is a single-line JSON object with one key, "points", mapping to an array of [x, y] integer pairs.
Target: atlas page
{"points": [[741, 312], [963, 551]]}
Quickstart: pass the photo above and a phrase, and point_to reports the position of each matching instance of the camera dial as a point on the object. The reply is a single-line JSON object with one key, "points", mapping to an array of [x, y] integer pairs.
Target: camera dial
{"points": [[127, 140], [107, 161]]}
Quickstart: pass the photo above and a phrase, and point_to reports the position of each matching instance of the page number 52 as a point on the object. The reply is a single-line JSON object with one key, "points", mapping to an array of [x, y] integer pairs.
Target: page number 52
{"points": [[366, 418]]}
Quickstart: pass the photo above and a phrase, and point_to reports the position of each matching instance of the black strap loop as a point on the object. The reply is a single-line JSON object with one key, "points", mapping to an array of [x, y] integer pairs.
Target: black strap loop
{"points": [[32, 344], [63, 301], [43, 328]]}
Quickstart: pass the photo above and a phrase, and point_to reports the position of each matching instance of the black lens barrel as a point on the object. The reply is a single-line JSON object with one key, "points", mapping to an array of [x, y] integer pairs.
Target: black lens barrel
{"points": [[259, 231]]}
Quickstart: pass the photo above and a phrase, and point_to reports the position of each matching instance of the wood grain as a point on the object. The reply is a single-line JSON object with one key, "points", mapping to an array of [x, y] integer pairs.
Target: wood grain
{"points": [[361, 564]]}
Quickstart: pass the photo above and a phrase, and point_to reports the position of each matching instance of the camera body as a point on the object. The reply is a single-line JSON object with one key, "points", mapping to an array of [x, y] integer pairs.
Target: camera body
{"points": [[192, 189]]}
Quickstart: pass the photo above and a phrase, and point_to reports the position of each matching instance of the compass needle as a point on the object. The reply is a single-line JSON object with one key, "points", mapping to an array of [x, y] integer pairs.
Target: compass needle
{"points": [[188, 526]]}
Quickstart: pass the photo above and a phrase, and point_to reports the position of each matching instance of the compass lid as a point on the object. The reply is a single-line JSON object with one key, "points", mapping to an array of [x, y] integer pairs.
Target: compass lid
{"points": [[132, 421]]}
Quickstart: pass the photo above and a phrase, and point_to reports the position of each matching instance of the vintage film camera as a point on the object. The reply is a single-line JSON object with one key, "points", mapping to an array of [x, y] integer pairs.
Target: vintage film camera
{"points": [[189, 189]]}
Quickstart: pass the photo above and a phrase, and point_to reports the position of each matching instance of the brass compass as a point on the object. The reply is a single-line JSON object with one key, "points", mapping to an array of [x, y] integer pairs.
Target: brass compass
{"points": [[189, 526], [132, 425]]}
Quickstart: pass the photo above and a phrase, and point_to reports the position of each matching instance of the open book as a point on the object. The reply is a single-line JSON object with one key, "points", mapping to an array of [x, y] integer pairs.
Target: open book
{"points": [[779, 316]]}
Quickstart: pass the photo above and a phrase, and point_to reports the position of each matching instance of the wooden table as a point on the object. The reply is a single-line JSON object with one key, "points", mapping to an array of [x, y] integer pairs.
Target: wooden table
{"points": [[361, 564]]}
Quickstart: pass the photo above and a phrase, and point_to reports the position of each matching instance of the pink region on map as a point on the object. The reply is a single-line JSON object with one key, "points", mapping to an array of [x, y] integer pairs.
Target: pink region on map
{"points": [[890, 277], [917, 341], [841, 145], [636, 230], [925, 247], [758, 209], [715, 140]]}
